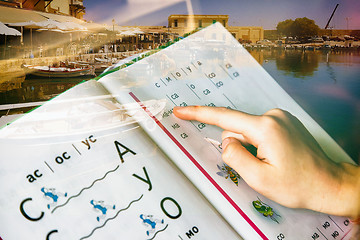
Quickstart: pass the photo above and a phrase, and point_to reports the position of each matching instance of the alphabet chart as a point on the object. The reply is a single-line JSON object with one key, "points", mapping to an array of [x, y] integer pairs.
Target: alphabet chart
{"points": [[211, 68], [78, 168]]}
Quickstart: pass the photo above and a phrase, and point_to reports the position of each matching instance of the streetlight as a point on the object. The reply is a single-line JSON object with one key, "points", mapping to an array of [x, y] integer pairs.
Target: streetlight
{"points": [[114, 43], [347, 22]]}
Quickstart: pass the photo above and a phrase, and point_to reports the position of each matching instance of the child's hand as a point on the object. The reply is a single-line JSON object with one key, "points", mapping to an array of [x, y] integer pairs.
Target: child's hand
{"points": [[290, 167]]}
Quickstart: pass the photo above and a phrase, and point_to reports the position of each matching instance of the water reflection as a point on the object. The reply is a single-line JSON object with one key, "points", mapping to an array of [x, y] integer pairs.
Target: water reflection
{"points": [[10, 81], [297, 63], [326, 85], [33, 90]]}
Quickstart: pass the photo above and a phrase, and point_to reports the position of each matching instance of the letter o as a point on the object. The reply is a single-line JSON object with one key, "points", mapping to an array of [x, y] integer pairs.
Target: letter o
{"points": [[176, 204], [59, 160]]}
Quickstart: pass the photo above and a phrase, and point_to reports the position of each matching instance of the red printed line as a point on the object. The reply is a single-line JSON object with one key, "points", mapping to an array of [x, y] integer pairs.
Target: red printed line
{"points": [[346, 234], [202, 170]]}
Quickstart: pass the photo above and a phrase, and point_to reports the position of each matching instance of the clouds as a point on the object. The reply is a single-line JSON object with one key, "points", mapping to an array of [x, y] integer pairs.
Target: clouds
{"points": [[125, 10]]}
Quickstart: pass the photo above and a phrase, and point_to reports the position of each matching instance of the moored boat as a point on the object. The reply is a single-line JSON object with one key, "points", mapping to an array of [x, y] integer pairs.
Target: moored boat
{"points": [[58, 72]]}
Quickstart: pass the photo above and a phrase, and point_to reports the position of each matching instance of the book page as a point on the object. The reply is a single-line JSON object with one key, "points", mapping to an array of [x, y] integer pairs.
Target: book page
{"points": [[211, 68], [80, 167]]}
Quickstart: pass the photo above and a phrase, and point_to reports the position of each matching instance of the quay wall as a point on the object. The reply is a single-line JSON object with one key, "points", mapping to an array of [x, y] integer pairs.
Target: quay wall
{"points": [[14, 65]]}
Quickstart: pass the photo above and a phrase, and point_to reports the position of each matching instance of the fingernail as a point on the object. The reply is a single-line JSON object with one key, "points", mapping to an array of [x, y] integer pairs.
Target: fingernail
{"points": [[178, 109], [225, 142]]}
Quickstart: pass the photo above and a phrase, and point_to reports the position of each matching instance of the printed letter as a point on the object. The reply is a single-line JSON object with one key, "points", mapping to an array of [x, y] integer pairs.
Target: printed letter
{"points": [[121, 154], [86, 143], [31, 178], [50, 233], [176, 204], [147, 180], [25, 214], [92, 140]]}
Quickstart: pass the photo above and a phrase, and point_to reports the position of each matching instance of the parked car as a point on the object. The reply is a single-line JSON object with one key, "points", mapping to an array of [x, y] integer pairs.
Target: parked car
{"points": [[264, 42], [244, 41], [326, 38], [336, 38], [347, 37], [317, 40]]}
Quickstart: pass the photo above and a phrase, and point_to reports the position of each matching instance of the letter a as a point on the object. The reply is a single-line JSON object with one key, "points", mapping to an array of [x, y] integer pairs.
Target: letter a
{"points": [[121, 154]]}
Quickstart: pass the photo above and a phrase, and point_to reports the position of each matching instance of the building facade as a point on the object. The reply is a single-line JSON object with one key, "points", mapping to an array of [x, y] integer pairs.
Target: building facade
{"points": [[73, 8], [181, 24], [76, 8]]}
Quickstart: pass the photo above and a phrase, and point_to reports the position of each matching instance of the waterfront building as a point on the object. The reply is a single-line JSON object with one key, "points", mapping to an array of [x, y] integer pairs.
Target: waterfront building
{"points": [[77, 8], [73, 8], [181, 24]]}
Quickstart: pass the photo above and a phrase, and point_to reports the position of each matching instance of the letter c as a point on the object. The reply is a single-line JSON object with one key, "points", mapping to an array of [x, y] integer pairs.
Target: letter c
{"points": [[25, 214], [36, 173], [50, 233]]}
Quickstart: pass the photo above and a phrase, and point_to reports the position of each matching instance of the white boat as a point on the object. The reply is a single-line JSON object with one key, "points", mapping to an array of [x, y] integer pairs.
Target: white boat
{"points": [[58, 72], [106, 60]]}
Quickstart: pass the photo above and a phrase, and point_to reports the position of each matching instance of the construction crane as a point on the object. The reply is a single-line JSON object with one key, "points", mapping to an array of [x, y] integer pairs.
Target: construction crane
{"points": [[327, 25]]}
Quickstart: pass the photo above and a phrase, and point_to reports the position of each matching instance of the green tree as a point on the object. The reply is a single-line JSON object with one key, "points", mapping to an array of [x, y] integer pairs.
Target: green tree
{"points": [[285, 27], [304, 27], [300, 27]]}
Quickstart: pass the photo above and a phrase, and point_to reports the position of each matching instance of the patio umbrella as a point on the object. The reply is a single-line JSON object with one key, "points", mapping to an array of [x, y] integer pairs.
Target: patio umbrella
{"points": [[52, 24], [137, 31], [128, 33], [51, 30], [30, 24], [75, 26], [5, 30]]}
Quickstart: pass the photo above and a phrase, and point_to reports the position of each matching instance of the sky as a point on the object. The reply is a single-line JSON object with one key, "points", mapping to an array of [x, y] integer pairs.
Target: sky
{"points": [[265, 13]]}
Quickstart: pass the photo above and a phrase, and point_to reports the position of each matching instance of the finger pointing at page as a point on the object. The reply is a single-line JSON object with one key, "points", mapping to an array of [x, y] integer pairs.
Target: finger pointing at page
{"points": [[231, 120], [289, 167]]}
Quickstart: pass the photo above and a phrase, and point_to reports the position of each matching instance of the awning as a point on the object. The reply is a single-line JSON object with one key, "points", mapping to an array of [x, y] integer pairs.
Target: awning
{"points": [[4, 30], [60, 18], [15, 15]]}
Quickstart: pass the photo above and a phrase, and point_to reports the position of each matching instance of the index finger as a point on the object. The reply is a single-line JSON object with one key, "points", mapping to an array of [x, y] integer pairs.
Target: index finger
{"points": [[231, 120]]}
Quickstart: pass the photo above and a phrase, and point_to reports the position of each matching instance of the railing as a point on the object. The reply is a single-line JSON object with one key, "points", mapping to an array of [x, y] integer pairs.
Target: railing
{"points": [[77, 3]]}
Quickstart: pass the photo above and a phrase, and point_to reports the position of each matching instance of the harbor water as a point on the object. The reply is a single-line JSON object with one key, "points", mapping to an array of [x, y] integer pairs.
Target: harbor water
{"points": [[325, 83]]}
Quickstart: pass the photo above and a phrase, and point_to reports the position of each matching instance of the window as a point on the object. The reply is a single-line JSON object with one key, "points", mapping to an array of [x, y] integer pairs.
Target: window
{"points": [[224, 23], [185, 22], [175, 23], [200, 23]]}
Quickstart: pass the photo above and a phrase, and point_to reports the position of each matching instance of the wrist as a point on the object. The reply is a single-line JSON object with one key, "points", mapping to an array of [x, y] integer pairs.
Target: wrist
{"points": [[337, 191], [350, 191]]}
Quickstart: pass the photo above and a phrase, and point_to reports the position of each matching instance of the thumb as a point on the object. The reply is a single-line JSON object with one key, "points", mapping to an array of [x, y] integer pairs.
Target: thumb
{"points": [[250, 168]]}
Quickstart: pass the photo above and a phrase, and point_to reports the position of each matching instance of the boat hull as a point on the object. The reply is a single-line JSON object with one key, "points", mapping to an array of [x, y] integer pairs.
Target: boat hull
{"points": [[58, 73]]}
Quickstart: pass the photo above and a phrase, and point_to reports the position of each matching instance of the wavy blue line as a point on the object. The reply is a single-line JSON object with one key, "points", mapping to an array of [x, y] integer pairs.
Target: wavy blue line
{"points": [[159, 231], [84, 189], [136, 200]]}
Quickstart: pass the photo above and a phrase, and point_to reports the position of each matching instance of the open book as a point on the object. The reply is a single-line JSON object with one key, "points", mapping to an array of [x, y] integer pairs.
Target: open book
{"points": [[108, 160]]}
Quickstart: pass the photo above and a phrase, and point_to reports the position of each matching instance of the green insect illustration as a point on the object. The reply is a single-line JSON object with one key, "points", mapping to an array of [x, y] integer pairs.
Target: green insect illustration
{"points": [[265, 210]]}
